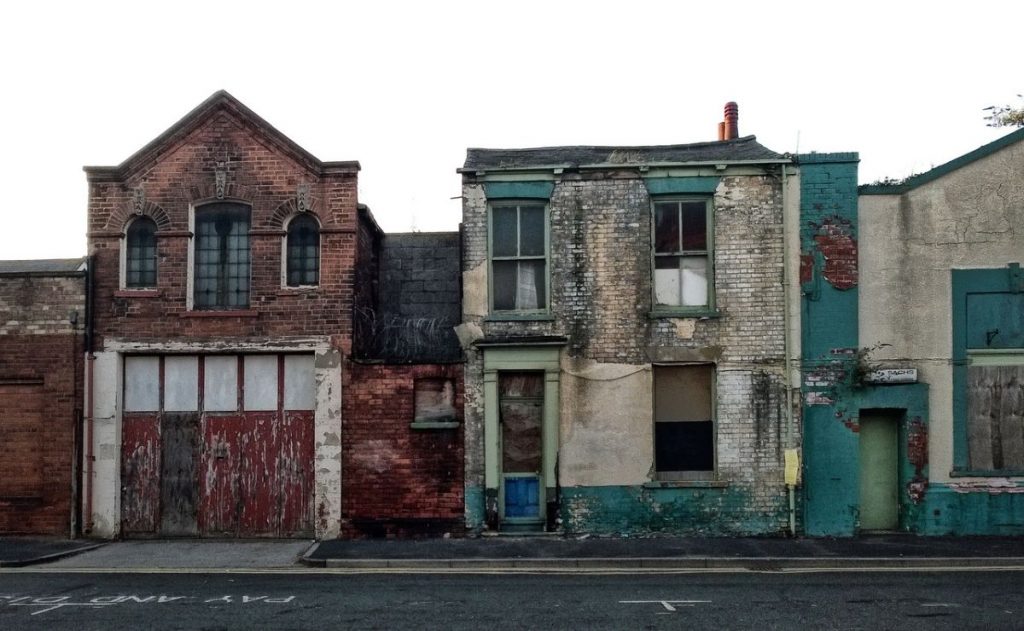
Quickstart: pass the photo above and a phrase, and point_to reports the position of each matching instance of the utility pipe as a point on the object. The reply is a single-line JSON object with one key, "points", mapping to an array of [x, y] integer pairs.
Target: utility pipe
{"points": [[787, 344], [90, 406]]}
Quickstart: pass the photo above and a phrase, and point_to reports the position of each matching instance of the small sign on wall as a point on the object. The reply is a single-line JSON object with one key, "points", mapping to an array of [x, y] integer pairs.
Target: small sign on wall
{"points": [[892, 375]]}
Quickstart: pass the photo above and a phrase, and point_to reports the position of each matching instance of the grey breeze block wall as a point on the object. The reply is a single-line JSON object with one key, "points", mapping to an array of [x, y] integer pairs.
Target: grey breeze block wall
{"points": [[600, 297]]}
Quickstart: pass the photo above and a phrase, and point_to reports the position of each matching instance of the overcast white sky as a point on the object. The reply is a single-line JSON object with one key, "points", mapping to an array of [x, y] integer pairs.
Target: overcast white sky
{"points": [[405, 87]]}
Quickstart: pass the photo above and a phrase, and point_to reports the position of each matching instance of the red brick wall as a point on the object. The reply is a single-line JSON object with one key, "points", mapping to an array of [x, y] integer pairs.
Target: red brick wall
{"points": [[258, 172], [398, 481], [40, 389]]}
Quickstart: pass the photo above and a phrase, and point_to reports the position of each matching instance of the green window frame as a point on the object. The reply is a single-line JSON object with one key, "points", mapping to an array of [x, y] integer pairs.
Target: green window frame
{"points": [[518, 258], [682, 256]]}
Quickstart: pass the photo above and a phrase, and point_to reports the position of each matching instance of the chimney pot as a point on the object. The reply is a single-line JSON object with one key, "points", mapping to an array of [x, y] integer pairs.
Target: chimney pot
{"points": [[732, 121]]}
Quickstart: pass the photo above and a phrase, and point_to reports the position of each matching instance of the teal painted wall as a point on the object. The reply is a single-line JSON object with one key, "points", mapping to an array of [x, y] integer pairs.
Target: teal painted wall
{"points": [[829, 302], [475, 508], [951, 511], [714, 511]]}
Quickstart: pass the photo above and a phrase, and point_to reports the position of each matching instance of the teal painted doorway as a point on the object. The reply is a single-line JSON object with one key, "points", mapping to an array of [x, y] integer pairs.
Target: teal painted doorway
{"points": [[521, 416], [879, 471]]}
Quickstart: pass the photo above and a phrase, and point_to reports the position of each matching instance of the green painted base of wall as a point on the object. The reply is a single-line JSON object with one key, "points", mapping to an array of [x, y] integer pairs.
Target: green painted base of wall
{"points": [[476, 511], [708, 511], [946, 511]]}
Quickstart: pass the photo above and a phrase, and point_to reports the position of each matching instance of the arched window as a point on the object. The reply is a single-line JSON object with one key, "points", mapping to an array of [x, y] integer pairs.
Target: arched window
{"points": [[222, 256], [303, 251], [140, 254]]}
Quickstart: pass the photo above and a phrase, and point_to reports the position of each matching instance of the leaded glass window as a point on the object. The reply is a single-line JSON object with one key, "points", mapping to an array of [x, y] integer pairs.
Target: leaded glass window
{"points": [[222, 256], [303, 256], [140, 254]]}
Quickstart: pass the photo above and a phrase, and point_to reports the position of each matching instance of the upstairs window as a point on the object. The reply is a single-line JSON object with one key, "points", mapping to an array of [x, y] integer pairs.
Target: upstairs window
{"points": [[222, 256], [140, 254], [518, 249], [303, 251], [683, 275]]}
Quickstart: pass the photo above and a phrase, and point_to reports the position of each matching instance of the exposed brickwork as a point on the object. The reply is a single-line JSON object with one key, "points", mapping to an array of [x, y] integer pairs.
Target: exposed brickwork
{"points": [[397, 480], [838, 246], [40, 386]]}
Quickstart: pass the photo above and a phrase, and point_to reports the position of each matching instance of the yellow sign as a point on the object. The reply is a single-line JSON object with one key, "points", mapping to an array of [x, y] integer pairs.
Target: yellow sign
{"points": [[792, 467]]}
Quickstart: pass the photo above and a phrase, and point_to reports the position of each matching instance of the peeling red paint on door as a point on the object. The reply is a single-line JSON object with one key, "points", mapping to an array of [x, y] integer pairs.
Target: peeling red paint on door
{"points": [[257, 474], [140, 473]]}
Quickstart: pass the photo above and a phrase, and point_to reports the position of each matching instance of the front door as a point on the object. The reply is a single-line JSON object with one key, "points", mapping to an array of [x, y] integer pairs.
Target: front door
{"points": [[879, 479], [521, 416]]}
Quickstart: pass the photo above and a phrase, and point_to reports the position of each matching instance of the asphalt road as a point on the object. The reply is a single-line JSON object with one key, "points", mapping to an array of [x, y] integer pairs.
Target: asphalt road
{"points": [[306, 600]]}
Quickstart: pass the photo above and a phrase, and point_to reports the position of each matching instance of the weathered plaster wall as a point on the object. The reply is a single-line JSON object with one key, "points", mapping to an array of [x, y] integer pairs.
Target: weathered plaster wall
{"points": [[600, 298], [969, 218]]}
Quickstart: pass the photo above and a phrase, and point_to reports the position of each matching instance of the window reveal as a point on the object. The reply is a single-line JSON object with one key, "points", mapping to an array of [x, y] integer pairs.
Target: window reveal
{"points": [[222, 256], [140, 255], [518, 258], [681, 254], [684, 441], [434, 400], [303, 251]]}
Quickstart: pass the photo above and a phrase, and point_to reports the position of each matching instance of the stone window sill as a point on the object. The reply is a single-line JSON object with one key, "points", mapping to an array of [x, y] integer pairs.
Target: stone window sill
{"points": [[686, 484], [434, 424], [239, 313], [702, 314], [973, 473], [520, 317], [137, 293]]}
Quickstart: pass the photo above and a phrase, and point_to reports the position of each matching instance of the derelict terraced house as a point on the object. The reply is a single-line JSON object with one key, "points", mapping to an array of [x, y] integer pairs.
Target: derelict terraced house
{"points": [[625, 315], [224, 284]]}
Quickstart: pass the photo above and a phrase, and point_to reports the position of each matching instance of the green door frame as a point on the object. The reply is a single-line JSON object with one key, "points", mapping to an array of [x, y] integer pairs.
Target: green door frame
{"points": [[520, 358]]}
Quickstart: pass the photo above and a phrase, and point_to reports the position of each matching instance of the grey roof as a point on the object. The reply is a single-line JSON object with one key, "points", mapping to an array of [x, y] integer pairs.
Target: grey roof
{"points": [[43, 266], [745, 149]]}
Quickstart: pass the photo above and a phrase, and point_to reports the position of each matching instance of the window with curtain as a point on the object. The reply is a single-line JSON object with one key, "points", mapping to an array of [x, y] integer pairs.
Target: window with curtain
{"points": [[518, 257], [222, 256], [303, 251], [140, 254]]}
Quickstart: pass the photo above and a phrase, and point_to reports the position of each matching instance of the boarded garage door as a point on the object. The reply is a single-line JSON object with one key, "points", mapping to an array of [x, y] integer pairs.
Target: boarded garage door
{"points": [[218, 445]]}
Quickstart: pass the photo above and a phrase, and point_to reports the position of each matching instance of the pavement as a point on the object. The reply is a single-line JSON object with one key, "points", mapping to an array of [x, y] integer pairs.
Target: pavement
{"points": [[522, 553]]}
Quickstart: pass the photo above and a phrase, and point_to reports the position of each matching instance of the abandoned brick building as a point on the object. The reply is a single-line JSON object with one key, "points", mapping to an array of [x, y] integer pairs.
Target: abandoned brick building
{"points": [[225, 395], [625, 314], [42, 323]]}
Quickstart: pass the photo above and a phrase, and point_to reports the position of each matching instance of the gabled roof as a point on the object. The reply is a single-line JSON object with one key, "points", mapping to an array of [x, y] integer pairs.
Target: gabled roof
{"points": [[219, 101], [745, 149], [943, 169], [43, 267]]}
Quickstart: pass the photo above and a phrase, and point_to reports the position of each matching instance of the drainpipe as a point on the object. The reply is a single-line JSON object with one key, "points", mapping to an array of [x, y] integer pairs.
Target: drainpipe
{"points": [[787, 349], [90, 406]]}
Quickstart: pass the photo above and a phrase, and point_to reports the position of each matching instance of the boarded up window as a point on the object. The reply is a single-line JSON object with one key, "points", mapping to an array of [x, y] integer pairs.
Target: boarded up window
{"points": [[684, 441], [261, 382], [220, 383], [299, 383], [521, 414], [181, 383], [141, 384], [995, 430], [435, 400]]}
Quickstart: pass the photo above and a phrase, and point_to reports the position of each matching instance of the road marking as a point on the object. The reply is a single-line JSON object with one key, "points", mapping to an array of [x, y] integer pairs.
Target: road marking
{"points": [[940, 605], [669, 605], [44, 604]]}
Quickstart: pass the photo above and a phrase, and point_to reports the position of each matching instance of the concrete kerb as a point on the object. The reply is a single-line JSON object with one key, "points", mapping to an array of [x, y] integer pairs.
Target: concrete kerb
{"points": [[47, 558], [679, 563]]}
